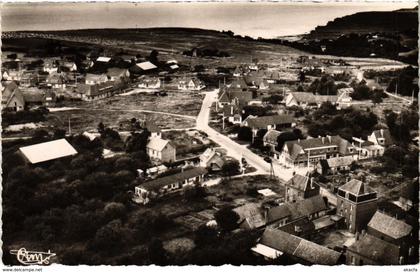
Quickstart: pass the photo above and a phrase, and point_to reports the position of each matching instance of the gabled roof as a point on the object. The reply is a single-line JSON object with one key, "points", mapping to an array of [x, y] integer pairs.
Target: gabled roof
{"points": [[297, 209], [299, 182], [356, 187], [48, 151], [385, 134], [376, 249], [298, 247], [157, 143], [339, 161], [264, 121], [33, 95], [116, 72], [311, 98], [389, 225], [175, 178], [271, 135], [147, 65], [250, 216], [96, 77]]}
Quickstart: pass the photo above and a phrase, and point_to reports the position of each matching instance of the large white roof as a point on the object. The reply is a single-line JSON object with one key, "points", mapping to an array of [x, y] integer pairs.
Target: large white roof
{"points": [[147, 65], [48, 151], [103, 59], [157, 143]]}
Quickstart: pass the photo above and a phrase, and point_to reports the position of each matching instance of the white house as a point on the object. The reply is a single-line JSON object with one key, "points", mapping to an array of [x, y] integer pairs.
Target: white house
{"points": [[160, 149], [190, 84]]}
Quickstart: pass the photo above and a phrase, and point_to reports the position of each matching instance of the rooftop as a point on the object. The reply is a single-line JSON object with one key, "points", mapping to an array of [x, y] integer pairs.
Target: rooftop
{"points": [[389, 225], [48, 151], [356, 187]]}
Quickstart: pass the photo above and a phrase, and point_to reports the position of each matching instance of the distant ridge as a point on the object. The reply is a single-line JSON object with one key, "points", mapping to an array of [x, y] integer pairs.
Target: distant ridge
{"points": [[368, 22]]}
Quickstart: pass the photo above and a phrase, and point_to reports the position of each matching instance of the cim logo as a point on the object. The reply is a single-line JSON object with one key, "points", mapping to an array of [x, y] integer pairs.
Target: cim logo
{"points": [[32, 257]]}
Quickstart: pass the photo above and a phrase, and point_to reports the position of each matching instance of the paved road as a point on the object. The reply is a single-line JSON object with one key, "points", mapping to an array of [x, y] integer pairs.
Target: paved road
{"points": [[234, 149]]}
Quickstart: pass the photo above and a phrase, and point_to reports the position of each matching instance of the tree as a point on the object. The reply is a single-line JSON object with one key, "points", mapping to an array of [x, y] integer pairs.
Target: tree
{"points": [[156, 252], [114, 210], [230, 168], [287, 136], [245, 134], [205, 236], [361, 92], [153, 57], [227, 219]]}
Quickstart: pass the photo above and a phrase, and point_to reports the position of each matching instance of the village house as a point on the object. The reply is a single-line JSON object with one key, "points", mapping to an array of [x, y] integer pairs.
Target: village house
{"points": [[370, 250], [150, 190], [47, 151], [143, 67], [67, 66], [277, 122], [29, 79], [238, 83], [56, 80], [408, 197], [230, 96], [299, 188], [394, 231], [100, 90], [50, 66], [212, 159], [118, 74], [251, 216], [233, 113], [190, 84], [94, 79], [310, 208], [334, 165], [274, 243], [367, 149], [381, 137], [12, 75], [310, 100], [356, 203], [149, 83], [160, 149], [270, 139], [311, 150], [12, 98], [103, 59], [33, 97]]}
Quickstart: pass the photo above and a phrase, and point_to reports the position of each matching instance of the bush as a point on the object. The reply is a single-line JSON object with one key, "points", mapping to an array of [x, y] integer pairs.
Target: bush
{"points": [[227, 219]]}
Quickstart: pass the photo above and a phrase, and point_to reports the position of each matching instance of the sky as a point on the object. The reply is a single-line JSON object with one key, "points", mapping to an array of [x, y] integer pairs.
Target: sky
{"points": [[263, 19]]}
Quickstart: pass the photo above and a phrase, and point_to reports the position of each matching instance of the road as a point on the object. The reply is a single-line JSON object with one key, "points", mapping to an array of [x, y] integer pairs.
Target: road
{"points": [[234, 149]]}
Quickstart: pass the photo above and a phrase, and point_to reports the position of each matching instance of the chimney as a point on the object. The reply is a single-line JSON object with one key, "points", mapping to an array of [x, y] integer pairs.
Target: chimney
{"points": [[329, 138], [323, 139], [382, 132]]}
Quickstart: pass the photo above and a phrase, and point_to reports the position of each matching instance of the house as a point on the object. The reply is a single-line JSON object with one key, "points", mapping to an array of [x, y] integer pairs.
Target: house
{"points": [[369, 250], [334, 165], [48, 151], [190, 84], [270, 138], [150, 83], [233, 113], [29, 79], [97, 91], [212, 159], [33, 97], [409, 196], [160, 149], [356, 203], [50, 98], [381, 137], [146, 192], [93, 79], [277, 122], [299, 188], [50, 66], [392, 230], [103, 59], [12, 98], [250, 216], [275, 243], [56, 80], [367, 149], [238, 83], [117, 74], [288, 212], [229, 96], [310, 151], [307, 100], [12, 75], [146, 66], [67, 66]]}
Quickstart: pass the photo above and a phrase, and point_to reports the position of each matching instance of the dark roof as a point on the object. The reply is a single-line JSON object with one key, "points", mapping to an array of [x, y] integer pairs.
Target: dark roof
{"points": [[304, 225], [389, 225], [384, 133], [356, 187], [178, 177], [33, 96], [299, 182], [295, 147], [296, 210], [376, 249], [303, 249], [250, 216], [264, 121]]}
